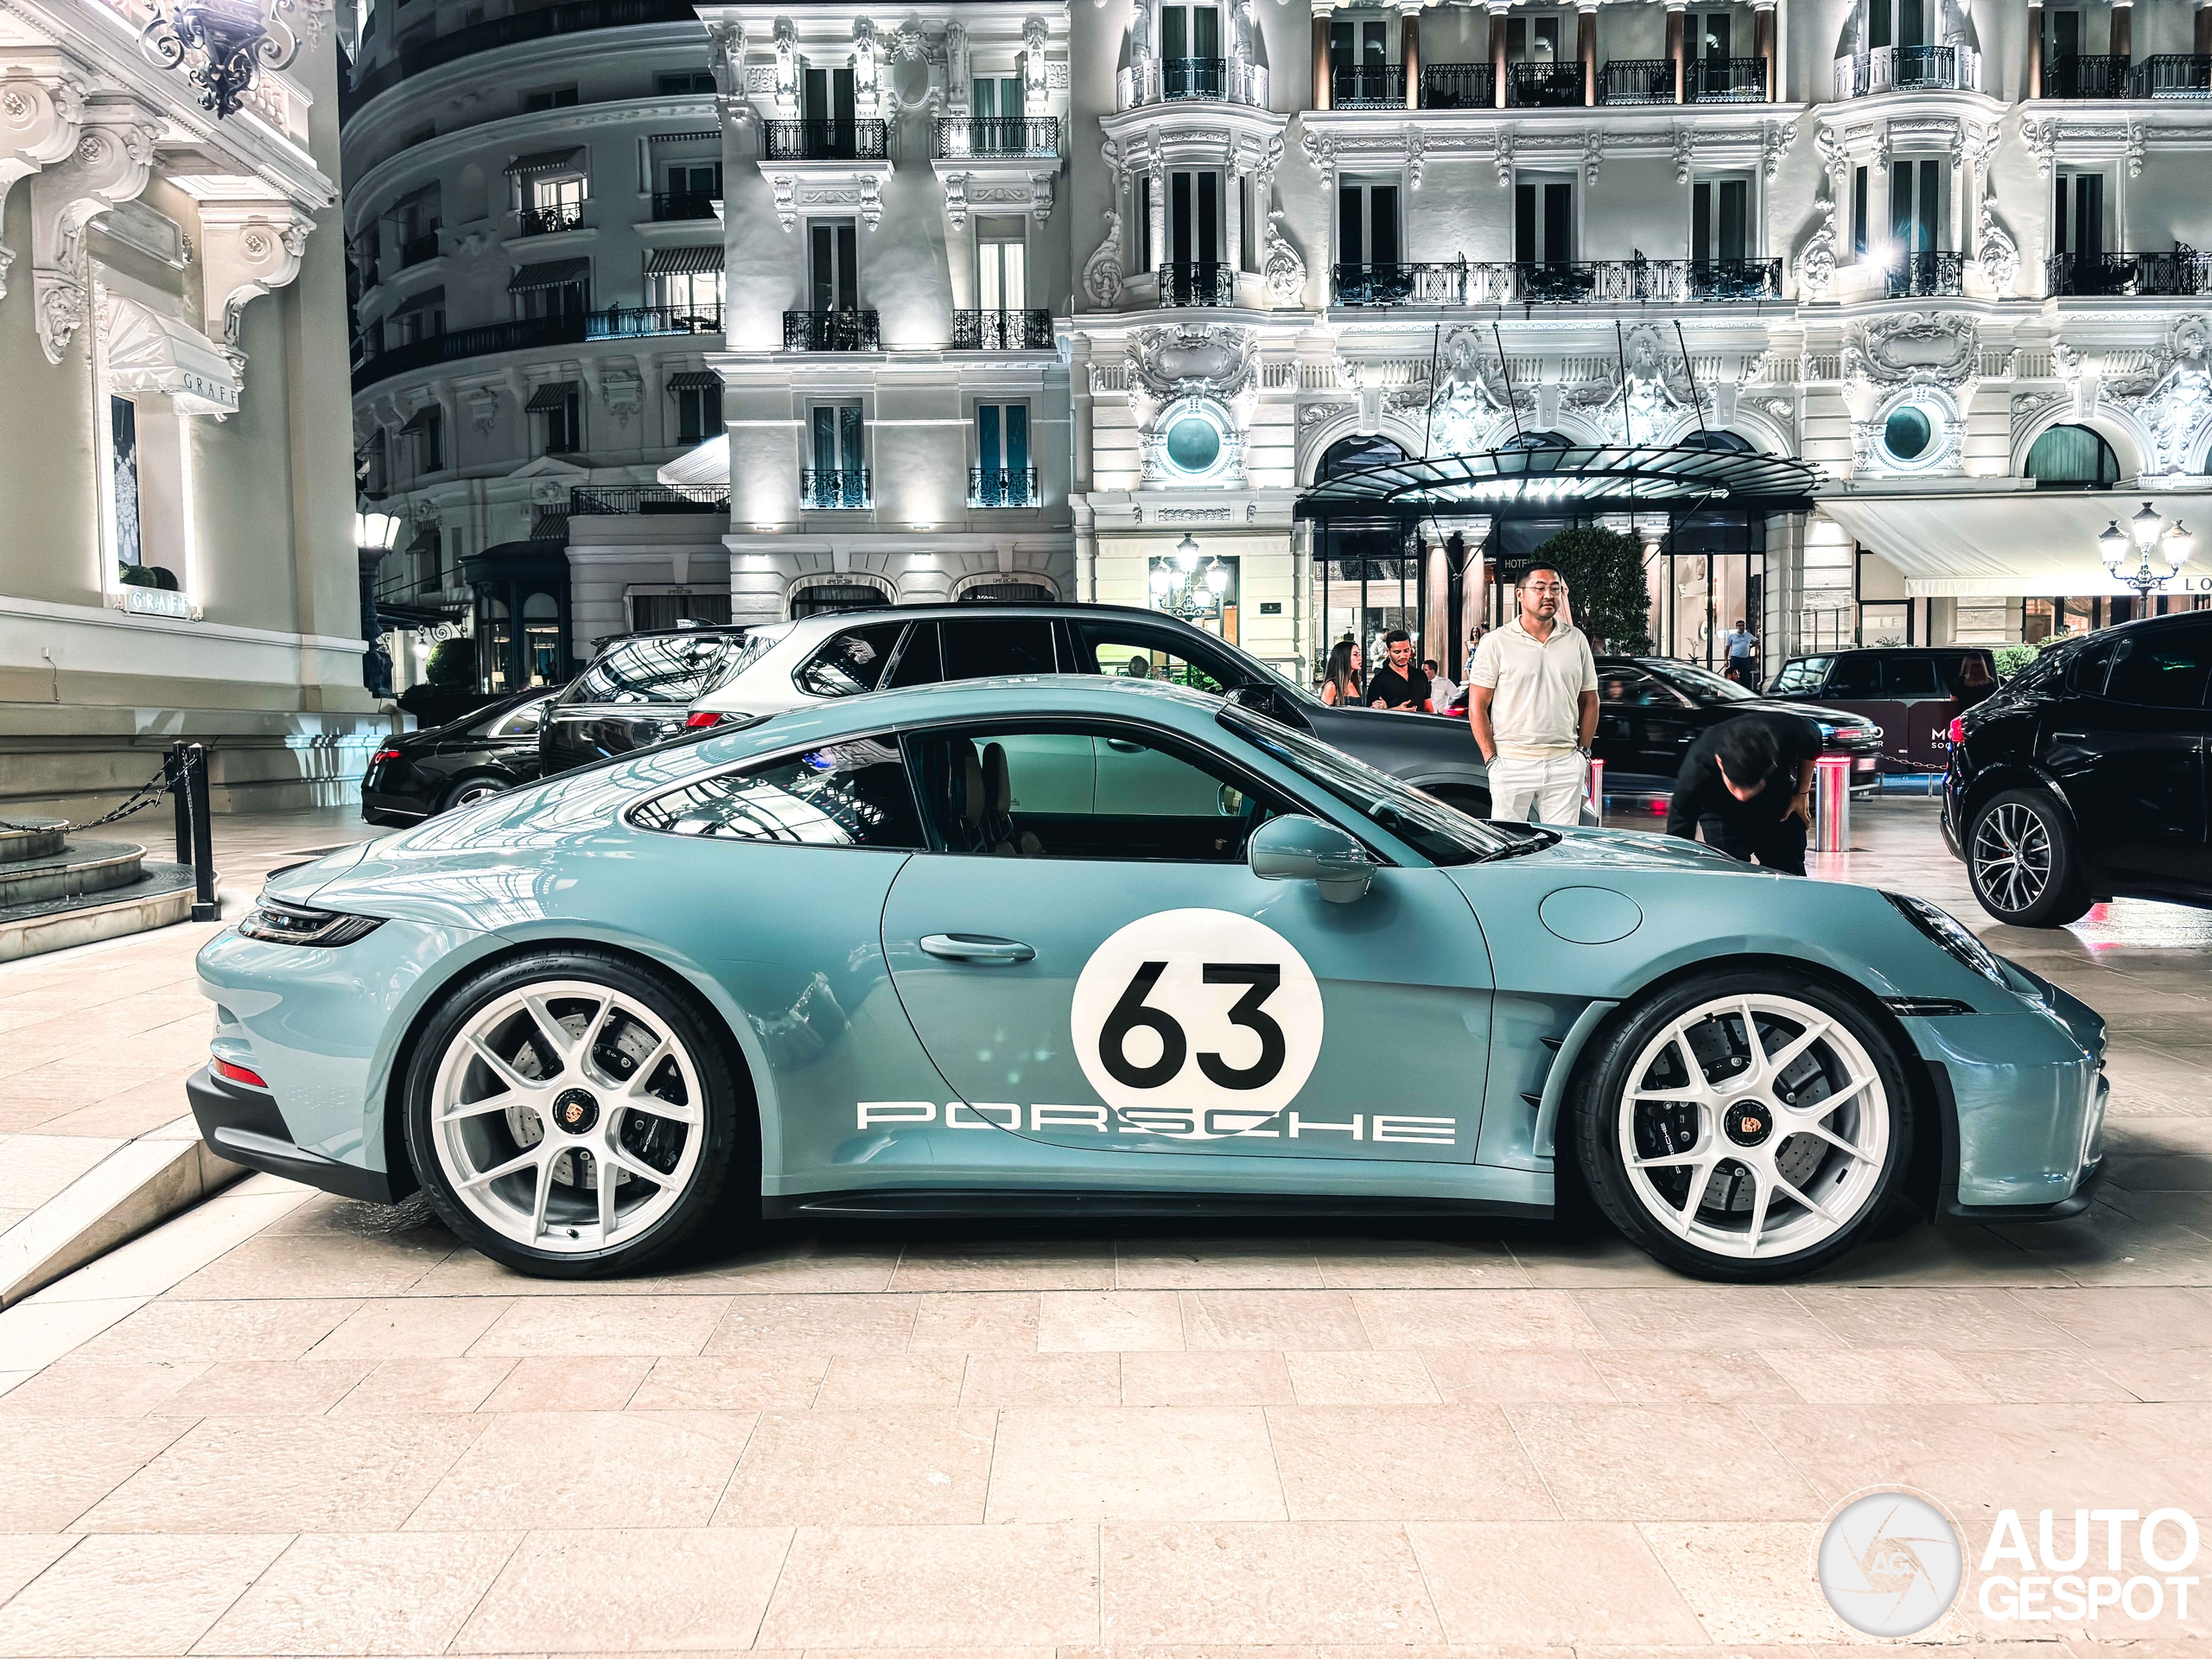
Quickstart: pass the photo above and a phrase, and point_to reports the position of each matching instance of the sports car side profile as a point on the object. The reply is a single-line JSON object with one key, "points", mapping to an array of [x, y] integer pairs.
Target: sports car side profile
{"points": [[1052, 944]]}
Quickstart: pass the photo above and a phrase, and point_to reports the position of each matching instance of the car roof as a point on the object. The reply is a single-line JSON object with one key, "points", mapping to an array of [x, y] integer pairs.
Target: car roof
{"points": [[955, 610], [1013, 696]]}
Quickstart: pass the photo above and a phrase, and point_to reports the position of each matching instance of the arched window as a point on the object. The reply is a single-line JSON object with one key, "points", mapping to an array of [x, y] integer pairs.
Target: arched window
{"points": [[1008, 593], [1538, 441], [1350, 454], [818, 597], [2073, 457], [1712, 440]]}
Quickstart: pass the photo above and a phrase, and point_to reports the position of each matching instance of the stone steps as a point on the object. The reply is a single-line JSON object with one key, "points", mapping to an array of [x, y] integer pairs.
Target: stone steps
{"points": [[44, 840], [57, 891], [70, 872]]}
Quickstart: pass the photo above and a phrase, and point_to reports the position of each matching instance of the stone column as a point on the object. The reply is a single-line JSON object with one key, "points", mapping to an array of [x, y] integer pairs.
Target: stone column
{"points": [[1763, 46], [2035, 51], [1675, 53], [1320, 55], [1233, 219], [2203, 39], [1156, 193], [1498, 53], [2123, 30], [1585, 49], [1409, 49]]}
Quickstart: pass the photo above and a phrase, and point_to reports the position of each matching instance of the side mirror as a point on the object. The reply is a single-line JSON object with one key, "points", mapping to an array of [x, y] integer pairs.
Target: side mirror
{"points": [[1298, 848]]}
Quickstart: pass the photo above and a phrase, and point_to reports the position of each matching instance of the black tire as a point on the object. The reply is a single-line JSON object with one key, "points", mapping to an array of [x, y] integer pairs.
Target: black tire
{"points": [[723, 1181], [1867, 1188], [465, 791], [2024, 860]]}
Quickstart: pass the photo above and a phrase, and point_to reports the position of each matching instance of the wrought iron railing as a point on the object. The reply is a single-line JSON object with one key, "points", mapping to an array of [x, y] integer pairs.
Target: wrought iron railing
{"points": [[2089, 74], [545, 221], [682, 204], [1401, 284], [2183, 273], [1459, 85], [826, 141], [1002, 487], [1194, 76], [1908, 68], [1197, 282], [1001, 135], [1919, 275], [1582, 282], [623, 501], [1368, 87], [1728, 80], [419, 248], [1637, 80], [2174, 74], [1002, 331], [627, 321], [831, 331], [1543, 85], [834, 487], [526, 333]]}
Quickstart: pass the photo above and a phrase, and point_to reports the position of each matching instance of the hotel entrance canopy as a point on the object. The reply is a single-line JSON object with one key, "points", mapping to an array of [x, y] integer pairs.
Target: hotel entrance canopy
{"points": [[2013, 542], [1577, 479]]}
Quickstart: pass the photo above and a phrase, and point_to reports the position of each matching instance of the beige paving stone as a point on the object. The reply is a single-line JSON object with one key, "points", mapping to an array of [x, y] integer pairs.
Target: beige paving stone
{"points": [[2116, 1317], [862, 1468], [1007, 1264], [813, 1267], [1404, 1463], [183, 1331], [1122, 1321], [59, 1467], [1473, 1318], [1910, 1318], [37, 1332], [1567, 1259], [2160, 1373], [1753, 1583], [589, 1468], [730, 1382], [972, 1322], [1042, 1380], [579, 1382], [1505, 1376], [406, 1387], [1379, 1378], [112, 1596], [1873, 1375], [1308, 1582], [1216, 1264], [1278, 1320], [92, 1388], [419, 1327], [815, 1325], [24, 1555], [1729, 1318], [324, 1264], [569, 1591], [883, 1381], [1551, 1582], [1689, 1463], [364, 1593], [2037, 1376], [938, 1587], [1166, 1462], [1234, 1378], [617, 1326], [287, 1474], [1660, 1376], [255, 1387], [1417, 1264]]}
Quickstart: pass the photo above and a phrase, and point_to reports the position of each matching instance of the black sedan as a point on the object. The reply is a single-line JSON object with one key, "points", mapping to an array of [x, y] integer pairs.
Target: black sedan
{"points": [[2084, 777], [637, 692], [422, 774], [1651, 709]]}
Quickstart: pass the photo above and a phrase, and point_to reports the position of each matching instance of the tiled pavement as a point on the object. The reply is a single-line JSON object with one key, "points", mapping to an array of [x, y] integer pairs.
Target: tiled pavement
{"points": [[285, 1424]]}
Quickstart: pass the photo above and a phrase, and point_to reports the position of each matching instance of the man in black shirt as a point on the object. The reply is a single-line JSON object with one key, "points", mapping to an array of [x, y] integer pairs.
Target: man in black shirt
{"points": [[1398, 685], [1748, 783]]}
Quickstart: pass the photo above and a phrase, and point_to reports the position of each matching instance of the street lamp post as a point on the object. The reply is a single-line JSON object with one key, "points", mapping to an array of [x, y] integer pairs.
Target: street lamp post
{"points": [[374, 535], [2145, 530], [1185, 587]]}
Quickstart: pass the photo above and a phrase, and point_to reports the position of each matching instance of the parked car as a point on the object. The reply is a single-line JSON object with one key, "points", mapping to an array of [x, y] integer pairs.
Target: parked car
{"points": [[1651, 709], [2084, 777], [1911, 693], [636, 693], [421, 774]]}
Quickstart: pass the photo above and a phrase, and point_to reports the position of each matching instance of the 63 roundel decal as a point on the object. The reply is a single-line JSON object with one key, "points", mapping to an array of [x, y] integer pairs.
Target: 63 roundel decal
{"points": [[1196, 1024]]}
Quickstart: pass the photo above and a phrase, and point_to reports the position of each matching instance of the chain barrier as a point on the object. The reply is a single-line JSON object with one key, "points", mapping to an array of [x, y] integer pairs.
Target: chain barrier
{"points": [[183, 780], [147, 794]]}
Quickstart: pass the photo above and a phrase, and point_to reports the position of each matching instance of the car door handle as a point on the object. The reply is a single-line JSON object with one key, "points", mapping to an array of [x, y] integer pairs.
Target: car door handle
{"points": [[976, 947], [2071, 737], [1124, 746]]}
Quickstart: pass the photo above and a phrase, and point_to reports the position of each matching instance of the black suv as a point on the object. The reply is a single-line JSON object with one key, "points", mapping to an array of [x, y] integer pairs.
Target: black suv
{"points": [[637, 692], [2083, 777], [1912, 693]]}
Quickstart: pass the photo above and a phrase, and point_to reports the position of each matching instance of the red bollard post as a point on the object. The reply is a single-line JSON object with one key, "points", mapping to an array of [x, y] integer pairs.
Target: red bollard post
{"points": [[1831, 804]]}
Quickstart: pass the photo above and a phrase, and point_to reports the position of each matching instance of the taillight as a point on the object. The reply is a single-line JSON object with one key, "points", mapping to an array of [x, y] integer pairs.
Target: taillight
{"points": [[382, 755], [230, 1073], [1958, 728], [702, 718]]}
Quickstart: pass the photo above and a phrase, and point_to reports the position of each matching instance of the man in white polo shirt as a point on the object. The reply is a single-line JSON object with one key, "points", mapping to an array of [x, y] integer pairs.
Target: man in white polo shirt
{"points": [[1532, 702]]}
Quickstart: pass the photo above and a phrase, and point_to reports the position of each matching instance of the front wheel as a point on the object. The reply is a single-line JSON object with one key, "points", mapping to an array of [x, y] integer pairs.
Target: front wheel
{"points": [[1746, 1127], [2023, 861]]}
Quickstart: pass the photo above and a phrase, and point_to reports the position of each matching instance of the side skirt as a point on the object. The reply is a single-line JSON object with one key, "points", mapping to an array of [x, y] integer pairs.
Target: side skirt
{"points": [[1060, 1204]]}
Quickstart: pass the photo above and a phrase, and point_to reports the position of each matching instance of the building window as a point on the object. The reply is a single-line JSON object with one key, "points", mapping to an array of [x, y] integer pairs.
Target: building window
{"points": [[1720, 213], [688, 292], [834, 263], [684, 80], [1367, 224], [1187, 32], [697, 182], [2073, 457], [548, 97], [561, 407], [1532, 39], [2077, 224], [1896, 23], [1002, 457], [1543, 222], [1193, 218], [698, 396], [1859, 212], [558, 194], [554, 299], [426, 432], [1916, 205], [838, 477], [995, 98], [1001, 270], [666, 610], [1364, 44], [122, 436]]}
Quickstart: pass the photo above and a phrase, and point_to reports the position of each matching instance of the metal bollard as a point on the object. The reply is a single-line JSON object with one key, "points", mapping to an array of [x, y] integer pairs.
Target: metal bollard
{"points": [[1831, 804], [173, 774], [1598, 791], [204, 907]]}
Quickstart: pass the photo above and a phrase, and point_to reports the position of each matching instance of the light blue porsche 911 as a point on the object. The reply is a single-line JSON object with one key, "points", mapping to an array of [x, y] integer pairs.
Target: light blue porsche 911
{"points": [[1054, 946]]}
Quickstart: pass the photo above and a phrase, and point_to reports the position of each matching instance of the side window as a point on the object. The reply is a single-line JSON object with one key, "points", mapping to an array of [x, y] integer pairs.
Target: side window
{"points": [[660, 668], [1100, 793], [1632, 687], [851, 662], [918, 663], [519, 722], [1856, 676], [2166, 669], [1909, 677], [852, 794], [2085, 676], [1142, 654], [996, 645]]}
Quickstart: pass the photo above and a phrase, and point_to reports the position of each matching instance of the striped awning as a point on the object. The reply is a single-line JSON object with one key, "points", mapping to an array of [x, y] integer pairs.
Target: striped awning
{"points": [[683, 262], [553, 395], [570, 160], [428, 300], [551, 525], [694, 380], [421, 418], [554, 273]]}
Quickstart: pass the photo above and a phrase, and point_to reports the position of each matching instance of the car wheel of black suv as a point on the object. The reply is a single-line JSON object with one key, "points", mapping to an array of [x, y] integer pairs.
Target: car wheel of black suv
{"points": [[2024, 861]]}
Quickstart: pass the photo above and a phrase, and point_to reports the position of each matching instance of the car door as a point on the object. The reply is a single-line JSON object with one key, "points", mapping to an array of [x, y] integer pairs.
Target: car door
{"points": [[1645, 728], [1125, 984], [2129, 752]]}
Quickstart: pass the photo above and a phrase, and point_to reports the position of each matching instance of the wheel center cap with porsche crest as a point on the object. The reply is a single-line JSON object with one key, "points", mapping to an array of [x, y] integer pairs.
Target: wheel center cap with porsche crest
{"points": [[1747, 1121], [575, 1109]]}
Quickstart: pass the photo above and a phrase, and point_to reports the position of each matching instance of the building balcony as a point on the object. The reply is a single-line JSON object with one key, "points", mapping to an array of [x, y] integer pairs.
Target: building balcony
{"points": [[1637, 80], [1002, 331], [638, 321], [826, 141], [1458, 86], [534, 334], [1930, 275], [1727, 81], [1158, 80], [1002, 487], [671, 206], [2174, 74], [1544, 85], [831, 331], [1193, 78], [1197, 282], [1368, 87], [2087, 74], [2182, 273], [1908, 69], [1582, 282], [419, 250], [622, 501], [840, 489], [991, 137], [576, 17], [547, 221]]}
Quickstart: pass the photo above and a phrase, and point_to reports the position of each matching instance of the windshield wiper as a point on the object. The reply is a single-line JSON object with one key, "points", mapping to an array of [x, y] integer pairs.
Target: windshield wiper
{"points": [[1534, 840]]}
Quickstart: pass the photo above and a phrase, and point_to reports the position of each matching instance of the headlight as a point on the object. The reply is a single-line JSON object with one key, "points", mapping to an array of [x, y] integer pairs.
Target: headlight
{"points": [[1947, 931], [274, 923]]}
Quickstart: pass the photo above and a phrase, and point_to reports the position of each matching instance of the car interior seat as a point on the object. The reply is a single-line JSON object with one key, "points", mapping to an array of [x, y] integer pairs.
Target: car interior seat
{"points": [[1007, 840], [969, 802]]}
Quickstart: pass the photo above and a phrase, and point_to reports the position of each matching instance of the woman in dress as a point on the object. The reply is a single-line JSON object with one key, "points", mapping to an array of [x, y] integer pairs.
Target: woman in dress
{"points": [[1341, 686]]}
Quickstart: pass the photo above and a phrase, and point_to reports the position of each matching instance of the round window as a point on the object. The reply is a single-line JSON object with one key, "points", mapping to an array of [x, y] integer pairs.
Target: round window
{"points": [[1193, 445], [1906, 434]]}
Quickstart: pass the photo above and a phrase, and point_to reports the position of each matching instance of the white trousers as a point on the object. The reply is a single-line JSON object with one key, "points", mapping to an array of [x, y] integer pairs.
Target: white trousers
{"points": [[1555, 787]]}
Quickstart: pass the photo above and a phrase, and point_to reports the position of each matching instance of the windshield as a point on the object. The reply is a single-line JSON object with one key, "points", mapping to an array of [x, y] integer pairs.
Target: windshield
{"points": [[1441, 834], [655, 668], [1701, 683]]}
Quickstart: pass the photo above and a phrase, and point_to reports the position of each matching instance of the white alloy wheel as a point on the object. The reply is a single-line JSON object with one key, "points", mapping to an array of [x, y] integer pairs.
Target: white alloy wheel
{"points": [[567, 1116], [1754, 1127]]}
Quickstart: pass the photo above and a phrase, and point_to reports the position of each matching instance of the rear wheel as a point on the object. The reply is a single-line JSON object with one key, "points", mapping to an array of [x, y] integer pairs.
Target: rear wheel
{"points": [[2023, 862], [470, 791], [1747, 1127]]}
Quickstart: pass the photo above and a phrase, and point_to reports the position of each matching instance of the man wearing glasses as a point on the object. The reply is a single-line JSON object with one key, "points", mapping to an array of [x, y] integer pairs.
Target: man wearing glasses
{"points": [[1532, 701]]}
